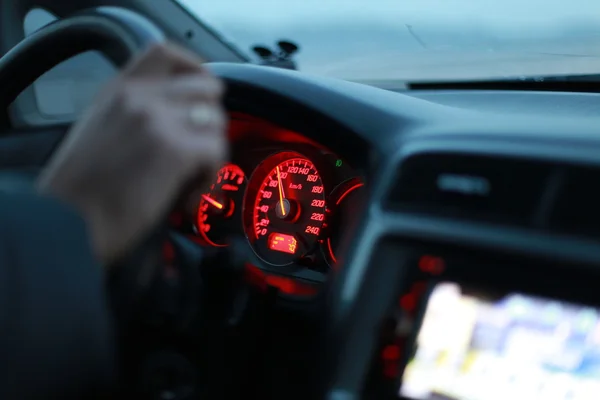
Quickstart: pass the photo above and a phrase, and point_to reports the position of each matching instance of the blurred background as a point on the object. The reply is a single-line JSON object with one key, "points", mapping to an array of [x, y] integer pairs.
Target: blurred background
{"points": [[378, 42], [418, 39]]}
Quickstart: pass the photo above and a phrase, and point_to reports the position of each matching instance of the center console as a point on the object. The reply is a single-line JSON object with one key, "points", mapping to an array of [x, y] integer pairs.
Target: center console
{"points": [[482, 282], [485, 327]]}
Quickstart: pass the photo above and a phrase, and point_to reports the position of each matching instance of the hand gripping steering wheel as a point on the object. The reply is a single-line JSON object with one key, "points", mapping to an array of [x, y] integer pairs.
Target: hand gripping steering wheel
{"points": [[164, 320]]}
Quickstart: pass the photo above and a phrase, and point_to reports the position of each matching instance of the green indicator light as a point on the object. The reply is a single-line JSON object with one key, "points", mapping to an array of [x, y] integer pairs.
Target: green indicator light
{"points": [[338, 163]]}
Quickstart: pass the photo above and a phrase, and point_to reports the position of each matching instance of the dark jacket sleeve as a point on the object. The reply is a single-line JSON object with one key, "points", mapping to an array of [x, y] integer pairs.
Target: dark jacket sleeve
{"points": [[55, 339]]}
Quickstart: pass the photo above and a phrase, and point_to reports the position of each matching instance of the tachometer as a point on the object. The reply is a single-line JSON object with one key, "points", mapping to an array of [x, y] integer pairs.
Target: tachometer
{"points": [[285, 208], [217, 208]]}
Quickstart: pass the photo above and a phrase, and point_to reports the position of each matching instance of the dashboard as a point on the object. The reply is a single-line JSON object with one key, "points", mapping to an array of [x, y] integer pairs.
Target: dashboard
{"points": [[290, 198], [488, 191]]}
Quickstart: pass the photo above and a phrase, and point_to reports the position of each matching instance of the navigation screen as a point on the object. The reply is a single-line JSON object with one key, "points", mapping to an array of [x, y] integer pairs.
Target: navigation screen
{"points": [[516, 347]]}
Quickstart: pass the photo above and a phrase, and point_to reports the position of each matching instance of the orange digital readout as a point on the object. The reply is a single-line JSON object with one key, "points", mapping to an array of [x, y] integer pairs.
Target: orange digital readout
{"points": [[283, 243]]}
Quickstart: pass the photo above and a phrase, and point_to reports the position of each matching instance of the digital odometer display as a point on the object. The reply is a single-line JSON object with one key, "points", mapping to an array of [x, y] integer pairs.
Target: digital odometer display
{"points": [[289, 201]]}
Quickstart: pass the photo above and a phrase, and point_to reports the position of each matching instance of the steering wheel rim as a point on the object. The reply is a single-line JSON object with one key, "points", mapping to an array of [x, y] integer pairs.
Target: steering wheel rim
{"points": [[118, 33]]}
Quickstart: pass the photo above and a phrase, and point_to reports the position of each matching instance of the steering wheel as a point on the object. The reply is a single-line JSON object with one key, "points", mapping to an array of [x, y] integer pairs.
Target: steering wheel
{"points": [[151, 305], [117, 33]]}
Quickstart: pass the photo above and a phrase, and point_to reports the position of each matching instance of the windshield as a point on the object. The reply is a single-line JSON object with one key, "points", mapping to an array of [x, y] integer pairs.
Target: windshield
{"points": [[418, 40]]}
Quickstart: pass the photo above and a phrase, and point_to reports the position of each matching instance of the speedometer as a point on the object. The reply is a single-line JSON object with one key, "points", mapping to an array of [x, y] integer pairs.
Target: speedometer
{"points": [[285, 208]]}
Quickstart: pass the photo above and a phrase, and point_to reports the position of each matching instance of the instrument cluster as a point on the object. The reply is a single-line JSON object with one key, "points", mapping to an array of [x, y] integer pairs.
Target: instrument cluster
{"points": [[293, 202]]}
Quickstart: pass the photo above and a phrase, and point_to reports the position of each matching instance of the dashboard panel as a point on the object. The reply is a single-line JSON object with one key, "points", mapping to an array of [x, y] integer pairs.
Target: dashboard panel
{"points": [[372, 135], [290, 198]]}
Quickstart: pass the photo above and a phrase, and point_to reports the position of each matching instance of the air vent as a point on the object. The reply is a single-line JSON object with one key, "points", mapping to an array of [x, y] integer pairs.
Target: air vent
{"points": [[505, 190], [577, 206]]}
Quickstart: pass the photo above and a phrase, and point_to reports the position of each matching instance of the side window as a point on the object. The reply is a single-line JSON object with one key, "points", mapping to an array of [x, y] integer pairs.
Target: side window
{"points": [[66, 90]]}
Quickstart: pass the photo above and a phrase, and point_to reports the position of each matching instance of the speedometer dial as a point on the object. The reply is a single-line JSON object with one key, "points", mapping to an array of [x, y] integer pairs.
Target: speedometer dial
{"points": [[287, 208]]}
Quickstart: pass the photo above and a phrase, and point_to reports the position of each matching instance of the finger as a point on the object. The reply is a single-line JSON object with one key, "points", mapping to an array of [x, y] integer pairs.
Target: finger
{"points": [[163, 60], [191, 145], [203, 157], [151, 62], [210, 156], [203, 118], [187, 61], [192, 88], [196, 145], [210, 144]]}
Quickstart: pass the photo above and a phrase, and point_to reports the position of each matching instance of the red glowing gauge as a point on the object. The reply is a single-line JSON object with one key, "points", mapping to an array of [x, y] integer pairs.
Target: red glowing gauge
{"points": [[345, 204], [286, 207], [217, 209]]}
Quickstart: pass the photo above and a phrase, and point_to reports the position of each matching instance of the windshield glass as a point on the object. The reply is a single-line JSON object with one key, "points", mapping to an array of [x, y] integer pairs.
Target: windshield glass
{"points": [[418, 40]]}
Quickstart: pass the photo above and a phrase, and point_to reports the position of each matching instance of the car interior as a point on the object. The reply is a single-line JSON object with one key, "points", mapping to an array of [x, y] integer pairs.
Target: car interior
{"points": [[433, 242]]}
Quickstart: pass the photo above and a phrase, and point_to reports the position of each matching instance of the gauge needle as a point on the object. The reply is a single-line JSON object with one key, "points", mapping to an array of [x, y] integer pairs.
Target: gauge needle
{"points": [[212, 201], [281, 194]]}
